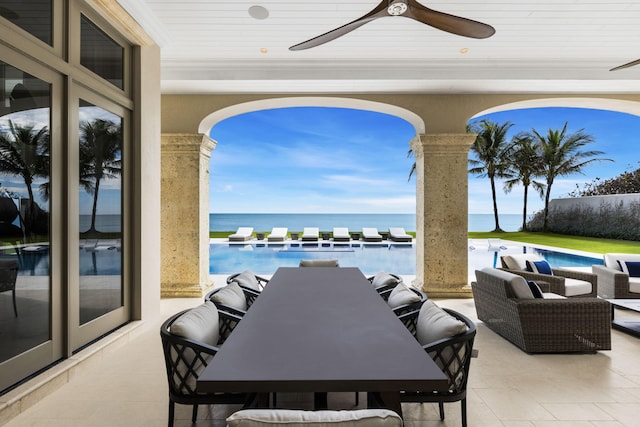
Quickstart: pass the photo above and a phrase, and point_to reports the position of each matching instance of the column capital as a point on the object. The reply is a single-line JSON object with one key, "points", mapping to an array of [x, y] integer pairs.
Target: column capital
{"points": [[441, 143], [187, 143]]}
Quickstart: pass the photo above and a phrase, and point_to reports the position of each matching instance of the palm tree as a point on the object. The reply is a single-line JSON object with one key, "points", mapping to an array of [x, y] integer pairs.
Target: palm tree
{"points": [[561, 155], [525, 166], [24, 152], [490, 149], [100, 148]]}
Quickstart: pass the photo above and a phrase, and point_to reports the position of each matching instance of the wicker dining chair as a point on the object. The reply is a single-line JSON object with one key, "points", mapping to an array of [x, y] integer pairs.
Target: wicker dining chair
{"points": [[190, 340], [233, 298], [452, 355]]}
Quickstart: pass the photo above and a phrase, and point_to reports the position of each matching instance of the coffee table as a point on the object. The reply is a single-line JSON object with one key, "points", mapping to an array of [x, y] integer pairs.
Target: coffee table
{"points": [[629, 325]]}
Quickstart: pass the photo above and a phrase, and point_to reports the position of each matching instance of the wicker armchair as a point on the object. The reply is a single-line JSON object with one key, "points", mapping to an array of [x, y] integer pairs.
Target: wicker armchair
{"points": [[538, 325], [612, 281], [187, 354], [452, 355], [8, 276], [560, 282]]}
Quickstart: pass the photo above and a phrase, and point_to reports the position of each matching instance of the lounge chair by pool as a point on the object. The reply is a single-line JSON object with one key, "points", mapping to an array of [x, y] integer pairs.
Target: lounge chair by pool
{"points": [[278, 234], [241, 235], [310, 234], [397, 234], [341, 234], [370, 234]]}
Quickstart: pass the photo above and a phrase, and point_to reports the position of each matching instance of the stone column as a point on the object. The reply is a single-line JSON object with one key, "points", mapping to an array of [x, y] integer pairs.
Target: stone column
{"points": [[442, 214], [185, 215]]}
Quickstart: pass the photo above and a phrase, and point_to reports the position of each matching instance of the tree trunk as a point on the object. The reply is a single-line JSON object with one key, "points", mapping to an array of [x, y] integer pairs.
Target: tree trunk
{"points": [[524, 209], [495, 206]]}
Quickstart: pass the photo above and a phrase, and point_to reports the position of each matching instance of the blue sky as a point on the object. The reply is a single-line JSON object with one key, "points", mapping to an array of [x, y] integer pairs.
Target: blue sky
{"points": [[332, 160]]}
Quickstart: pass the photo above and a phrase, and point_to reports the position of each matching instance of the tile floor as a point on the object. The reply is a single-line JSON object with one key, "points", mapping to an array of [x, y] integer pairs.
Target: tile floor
{"points": [[507, 387]]}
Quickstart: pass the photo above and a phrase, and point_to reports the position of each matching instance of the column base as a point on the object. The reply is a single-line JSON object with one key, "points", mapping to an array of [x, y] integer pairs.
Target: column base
{"points": [[185, 290], [464, 291]]}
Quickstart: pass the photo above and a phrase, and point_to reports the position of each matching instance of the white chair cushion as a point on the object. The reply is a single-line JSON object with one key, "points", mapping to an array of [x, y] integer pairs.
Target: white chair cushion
{"points": [[519, 285], [401, 295], [435, 324], [573, 287], [199, 324], [231, 295], [519, 261], [248, 279], [611, 260], [300, 418], [383, 279], [634, 285]]}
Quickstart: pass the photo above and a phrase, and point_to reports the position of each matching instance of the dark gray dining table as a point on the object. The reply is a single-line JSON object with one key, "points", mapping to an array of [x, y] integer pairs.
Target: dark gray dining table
{"points": [[321, 329]]}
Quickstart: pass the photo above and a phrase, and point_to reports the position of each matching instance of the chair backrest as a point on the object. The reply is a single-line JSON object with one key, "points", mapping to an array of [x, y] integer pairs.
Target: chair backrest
{"points": [[190, 339], [451, 354], [8, 274], [505, 283], [518, 261], [611, 259], [298, 418], [319, 263]]}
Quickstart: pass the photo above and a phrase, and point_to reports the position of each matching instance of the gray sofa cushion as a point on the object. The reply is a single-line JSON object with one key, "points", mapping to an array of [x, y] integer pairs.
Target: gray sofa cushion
{"points": [[519, 286]]}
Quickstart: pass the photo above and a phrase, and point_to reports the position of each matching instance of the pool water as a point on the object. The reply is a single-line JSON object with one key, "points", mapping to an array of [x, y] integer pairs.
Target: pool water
{"points": [[263, 258]]}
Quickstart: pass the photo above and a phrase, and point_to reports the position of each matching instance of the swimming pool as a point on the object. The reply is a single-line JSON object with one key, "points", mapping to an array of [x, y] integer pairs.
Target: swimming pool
{"points": [[265, 258]]}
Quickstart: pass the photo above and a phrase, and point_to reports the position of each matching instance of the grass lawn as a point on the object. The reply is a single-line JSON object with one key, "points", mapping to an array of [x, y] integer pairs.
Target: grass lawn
{"points": [[588, 244], [579, 243]]}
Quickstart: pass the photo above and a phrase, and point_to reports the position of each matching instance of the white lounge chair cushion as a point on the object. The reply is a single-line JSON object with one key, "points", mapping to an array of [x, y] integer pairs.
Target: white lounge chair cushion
{"points": [[300, 418], [518, 284], [435, 324], [199, 324], [231, 295], [573, 287], [401, 295], [634, 285], [248, 279], [613, 260], [519, 261], [383, 278]]}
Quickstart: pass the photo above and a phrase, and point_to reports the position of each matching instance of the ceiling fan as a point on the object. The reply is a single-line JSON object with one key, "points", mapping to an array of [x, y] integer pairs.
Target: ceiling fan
{"points": [[627, 65], [408, 9]]}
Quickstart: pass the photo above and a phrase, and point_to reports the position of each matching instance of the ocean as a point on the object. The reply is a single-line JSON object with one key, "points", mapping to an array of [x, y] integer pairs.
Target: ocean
{"points": [[355, 222]]}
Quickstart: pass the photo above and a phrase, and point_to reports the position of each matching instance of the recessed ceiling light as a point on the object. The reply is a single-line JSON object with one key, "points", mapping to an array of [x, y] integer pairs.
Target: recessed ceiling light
{"points": [[258, 12], [264, 50], [464, 50]]}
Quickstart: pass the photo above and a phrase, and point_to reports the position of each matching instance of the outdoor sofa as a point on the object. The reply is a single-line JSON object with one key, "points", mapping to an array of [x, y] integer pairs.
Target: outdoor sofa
{"points": [[553, 324], [561, 281], [619, 277]]}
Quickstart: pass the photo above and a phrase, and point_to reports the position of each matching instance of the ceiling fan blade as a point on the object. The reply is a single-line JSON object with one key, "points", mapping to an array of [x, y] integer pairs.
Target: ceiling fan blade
{"points": [[627, 65], [449, 23], [378, 12]]}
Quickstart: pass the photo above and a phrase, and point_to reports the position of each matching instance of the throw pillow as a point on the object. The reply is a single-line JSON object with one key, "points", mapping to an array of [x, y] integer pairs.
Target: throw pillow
{"points": [[541, 267], [231, 295], [435, 324], [535, 289], [401, 295], [630, 267], [248, 279], [383, 279], [199, 324], [301, 418]]}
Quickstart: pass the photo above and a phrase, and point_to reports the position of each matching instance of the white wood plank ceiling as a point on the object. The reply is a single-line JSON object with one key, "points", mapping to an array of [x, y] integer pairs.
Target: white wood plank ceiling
{"points": [[212, 46]]}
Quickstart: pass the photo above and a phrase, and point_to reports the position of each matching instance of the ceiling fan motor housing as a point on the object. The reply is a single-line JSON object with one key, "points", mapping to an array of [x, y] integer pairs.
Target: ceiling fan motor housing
{"points": [[397, 7]]}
